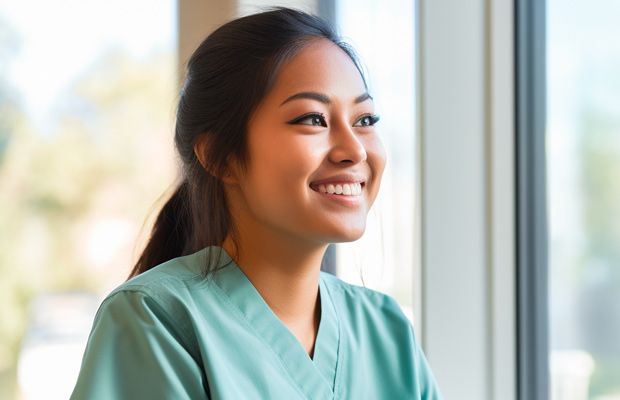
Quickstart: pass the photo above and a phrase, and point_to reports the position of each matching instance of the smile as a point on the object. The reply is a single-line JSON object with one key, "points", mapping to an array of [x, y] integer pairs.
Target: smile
{"points": [[344, 189]]}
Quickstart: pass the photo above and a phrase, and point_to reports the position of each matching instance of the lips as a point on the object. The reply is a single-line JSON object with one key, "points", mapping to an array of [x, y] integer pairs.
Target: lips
{"points": [[340, 179]]}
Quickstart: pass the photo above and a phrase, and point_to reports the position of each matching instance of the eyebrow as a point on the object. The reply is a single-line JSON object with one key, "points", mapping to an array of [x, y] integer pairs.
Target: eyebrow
{"points": [[322, 98]]}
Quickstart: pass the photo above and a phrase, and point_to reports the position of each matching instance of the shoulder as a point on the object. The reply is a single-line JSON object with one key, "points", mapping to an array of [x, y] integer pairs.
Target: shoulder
{"points": [[358, 293], [163, 299], [184, 271], [364, 302], [140, 334], [168, 290], [181, 277]]}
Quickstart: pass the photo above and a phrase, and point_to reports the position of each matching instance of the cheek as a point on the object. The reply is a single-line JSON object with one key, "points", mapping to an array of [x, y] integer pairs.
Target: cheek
{"points": [[377, 158], [283, 163]]}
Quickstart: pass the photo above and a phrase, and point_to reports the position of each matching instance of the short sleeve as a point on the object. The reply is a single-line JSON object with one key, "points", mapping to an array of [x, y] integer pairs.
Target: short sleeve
{"points": [[136, 351], [426, 380]]}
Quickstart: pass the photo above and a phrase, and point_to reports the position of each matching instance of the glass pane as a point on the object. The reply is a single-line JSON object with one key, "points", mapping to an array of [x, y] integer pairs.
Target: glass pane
{"points": [[383, 33], [584, 197], [86, 94]]}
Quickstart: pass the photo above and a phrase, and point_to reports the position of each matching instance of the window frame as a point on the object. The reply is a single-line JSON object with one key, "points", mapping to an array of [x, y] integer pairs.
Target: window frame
{"points": [[466, 115], [532, 219]]}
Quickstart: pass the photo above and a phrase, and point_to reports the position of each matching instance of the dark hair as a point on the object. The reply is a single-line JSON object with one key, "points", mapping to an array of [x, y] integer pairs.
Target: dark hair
{"points": [[227, 76]]}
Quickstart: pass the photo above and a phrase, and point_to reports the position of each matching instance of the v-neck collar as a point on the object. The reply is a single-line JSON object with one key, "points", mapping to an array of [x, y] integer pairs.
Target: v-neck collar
{"points": [[315, 377]]}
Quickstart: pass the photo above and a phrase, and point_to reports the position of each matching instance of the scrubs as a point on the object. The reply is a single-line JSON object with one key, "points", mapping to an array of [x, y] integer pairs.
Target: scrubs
{"points": [[171, 333]]}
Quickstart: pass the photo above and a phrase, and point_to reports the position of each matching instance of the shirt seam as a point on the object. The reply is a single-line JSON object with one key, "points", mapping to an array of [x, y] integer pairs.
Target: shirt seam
{"points": [[338, 284], [340, 354], [130, 286], [156, 301]]}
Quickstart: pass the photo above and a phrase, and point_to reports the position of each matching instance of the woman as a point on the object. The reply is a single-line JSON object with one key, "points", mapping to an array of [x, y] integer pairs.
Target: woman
{"points": [[275, 129]]}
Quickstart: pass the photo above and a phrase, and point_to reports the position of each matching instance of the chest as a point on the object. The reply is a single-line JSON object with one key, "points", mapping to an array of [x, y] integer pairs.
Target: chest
{"points": [[259, 358]]}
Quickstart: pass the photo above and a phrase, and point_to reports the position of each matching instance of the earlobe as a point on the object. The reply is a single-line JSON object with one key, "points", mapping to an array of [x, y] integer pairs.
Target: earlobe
{"points": [[229, 177]]}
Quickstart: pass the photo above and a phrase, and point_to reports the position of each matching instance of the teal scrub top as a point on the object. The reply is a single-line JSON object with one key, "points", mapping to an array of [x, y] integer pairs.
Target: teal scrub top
{"points": [[169, 333]]}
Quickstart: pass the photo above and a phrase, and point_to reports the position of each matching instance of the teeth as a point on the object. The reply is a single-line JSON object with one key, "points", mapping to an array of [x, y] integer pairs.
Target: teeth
{"points": [[346, 189]]}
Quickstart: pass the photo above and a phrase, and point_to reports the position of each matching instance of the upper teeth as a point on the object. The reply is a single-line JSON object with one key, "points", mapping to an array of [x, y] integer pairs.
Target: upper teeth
{"points": [[347, 189]]}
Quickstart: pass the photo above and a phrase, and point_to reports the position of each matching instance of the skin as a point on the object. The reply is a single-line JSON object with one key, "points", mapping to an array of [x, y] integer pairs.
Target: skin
{"points": [[284, 224]]}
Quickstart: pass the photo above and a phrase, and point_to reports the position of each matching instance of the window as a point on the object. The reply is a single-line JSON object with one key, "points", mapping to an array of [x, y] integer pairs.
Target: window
{"points": [[85, 149], [383, 259], [583, 151]]}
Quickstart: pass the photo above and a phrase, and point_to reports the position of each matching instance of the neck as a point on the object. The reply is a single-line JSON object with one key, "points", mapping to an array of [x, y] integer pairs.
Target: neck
{"points": [[286, 276], [285, 272]]}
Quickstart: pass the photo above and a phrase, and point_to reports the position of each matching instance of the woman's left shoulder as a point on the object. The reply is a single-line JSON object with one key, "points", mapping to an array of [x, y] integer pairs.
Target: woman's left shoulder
{"points": [[376, 328], [365, 301]]}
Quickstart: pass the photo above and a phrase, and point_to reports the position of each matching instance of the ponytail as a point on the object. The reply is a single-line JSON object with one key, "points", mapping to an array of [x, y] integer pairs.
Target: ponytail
{"points": [[172, 234]]}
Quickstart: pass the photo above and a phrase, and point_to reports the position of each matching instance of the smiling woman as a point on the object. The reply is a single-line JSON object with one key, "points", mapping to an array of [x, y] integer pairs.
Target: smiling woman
{"points": [[306, 132], [276, 132]]}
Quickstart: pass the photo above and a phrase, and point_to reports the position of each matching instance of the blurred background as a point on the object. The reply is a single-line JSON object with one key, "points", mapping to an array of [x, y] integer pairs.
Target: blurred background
{"points": [[88, 91], [86, 100], [583, 161]]}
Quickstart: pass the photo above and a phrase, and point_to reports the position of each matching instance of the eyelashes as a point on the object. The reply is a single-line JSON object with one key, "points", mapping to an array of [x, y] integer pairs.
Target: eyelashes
{"points": [[367, 120], [318, 119], [313, 119]]}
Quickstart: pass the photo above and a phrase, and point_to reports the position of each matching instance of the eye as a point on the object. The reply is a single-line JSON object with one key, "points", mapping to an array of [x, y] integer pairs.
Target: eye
{"points": [[313, 119], [367, 120]]}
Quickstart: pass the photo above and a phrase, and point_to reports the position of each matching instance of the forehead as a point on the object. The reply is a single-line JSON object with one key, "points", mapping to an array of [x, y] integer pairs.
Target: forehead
{"points": [[320, 66]]}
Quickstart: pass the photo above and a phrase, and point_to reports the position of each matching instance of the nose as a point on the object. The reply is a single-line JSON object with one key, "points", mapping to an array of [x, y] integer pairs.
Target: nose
{"points": [[346, 146]]}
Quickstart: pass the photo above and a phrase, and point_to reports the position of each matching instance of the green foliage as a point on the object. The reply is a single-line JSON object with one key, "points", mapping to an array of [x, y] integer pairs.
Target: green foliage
{"points": [[604, 381], [600, 160], [9, 109], [109, 158], [601, 189]]}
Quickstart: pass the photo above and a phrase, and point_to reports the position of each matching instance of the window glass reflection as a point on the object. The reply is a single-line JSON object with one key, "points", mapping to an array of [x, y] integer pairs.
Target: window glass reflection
{"points": [[583, 148]]}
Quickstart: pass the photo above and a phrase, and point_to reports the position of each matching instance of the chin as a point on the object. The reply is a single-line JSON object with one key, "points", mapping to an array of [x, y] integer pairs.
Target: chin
{"points": [[349, 235]]}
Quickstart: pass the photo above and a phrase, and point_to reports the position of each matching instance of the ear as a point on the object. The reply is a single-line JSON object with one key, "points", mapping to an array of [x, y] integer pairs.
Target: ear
{"points": [[200, 150]]}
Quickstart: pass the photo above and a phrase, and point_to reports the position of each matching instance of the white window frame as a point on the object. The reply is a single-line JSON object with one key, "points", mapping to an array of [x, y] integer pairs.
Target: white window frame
{"points": [[467, 264]]}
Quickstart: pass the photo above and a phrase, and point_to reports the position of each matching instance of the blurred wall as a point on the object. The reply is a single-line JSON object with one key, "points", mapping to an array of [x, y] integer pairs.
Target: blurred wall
{"points": [[198, 18]]}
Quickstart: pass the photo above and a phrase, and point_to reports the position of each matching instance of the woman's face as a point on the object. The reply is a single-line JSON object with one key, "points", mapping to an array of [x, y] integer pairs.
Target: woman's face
{"points": [[311, 138]]}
